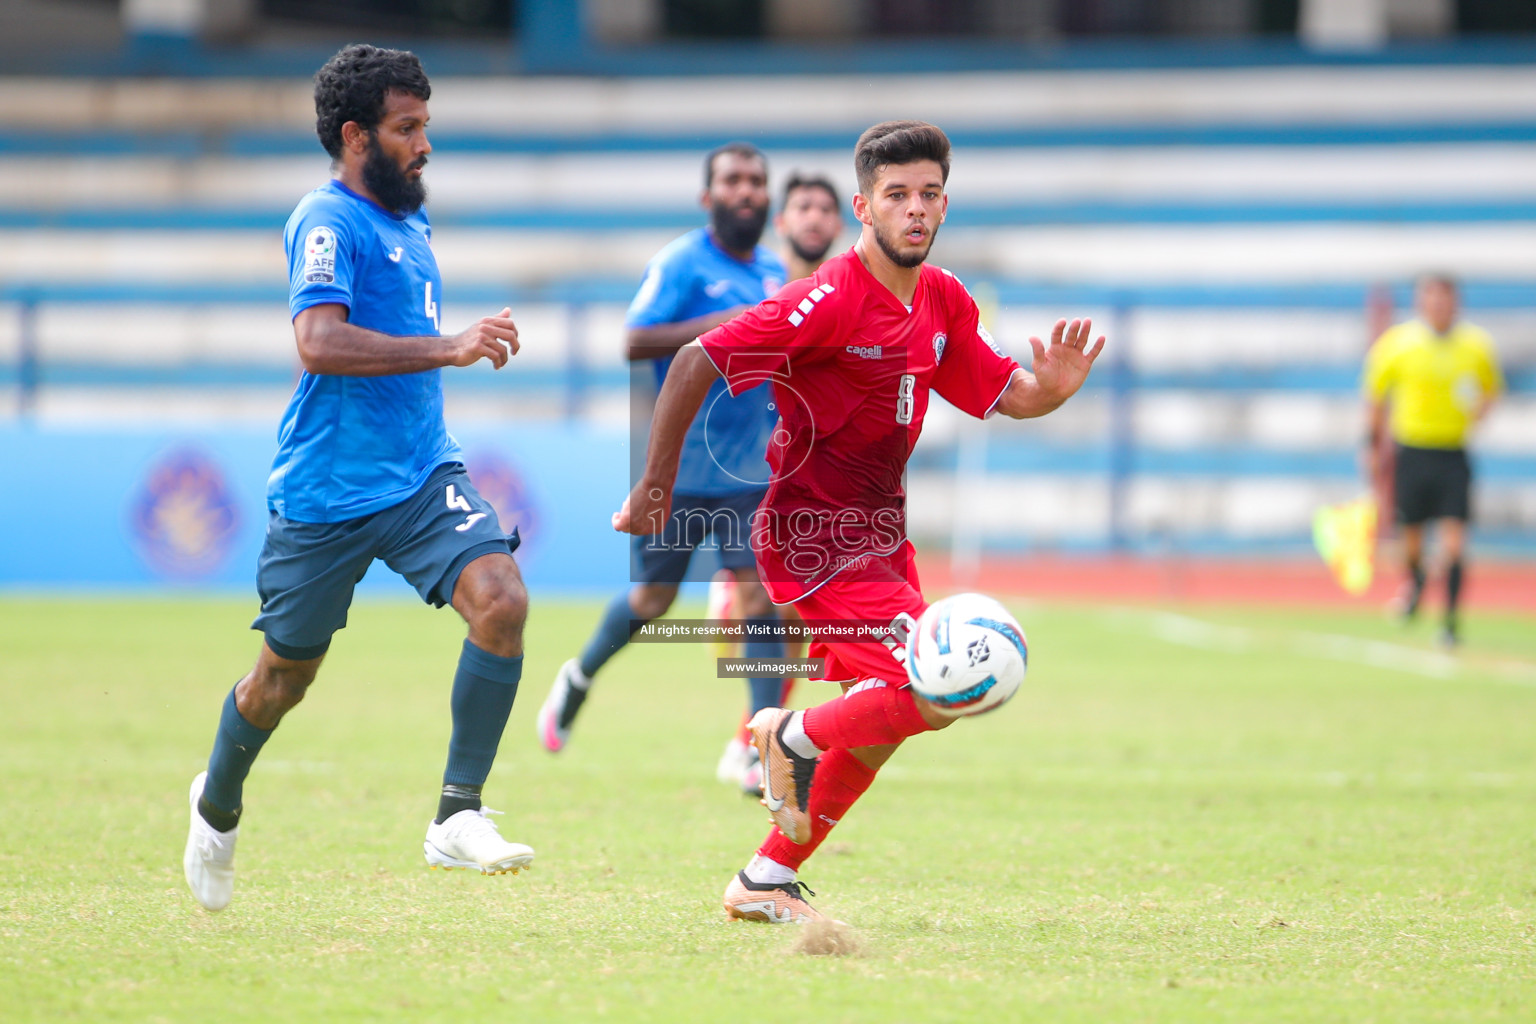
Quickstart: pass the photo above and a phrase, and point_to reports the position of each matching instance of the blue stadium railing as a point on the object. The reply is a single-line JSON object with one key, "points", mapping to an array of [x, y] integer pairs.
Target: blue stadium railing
{"points": [[1114, 454]]}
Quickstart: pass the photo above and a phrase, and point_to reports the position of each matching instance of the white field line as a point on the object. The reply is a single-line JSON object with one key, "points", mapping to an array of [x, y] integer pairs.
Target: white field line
{"points": [[1187, 631]]}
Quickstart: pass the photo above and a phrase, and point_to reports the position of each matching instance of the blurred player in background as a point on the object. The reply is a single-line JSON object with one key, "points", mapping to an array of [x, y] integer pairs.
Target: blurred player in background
{"points": [[1427, 383], [809, 222], [693, 284], [866, 338], [366, 469]]}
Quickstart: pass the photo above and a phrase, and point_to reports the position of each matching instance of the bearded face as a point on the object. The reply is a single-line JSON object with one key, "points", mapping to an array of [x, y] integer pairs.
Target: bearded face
{"points": [[395, 187], [738, 224], [905, 244]]}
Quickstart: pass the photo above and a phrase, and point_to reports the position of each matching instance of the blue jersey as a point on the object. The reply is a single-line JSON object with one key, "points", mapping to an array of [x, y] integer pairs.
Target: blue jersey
{"points": [[690, 277], [349, 446]]}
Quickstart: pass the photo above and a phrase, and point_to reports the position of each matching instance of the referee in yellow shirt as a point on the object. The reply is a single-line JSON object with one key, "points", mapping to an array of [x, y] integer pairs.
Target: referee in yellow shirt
{"points": [[1428, 382]]}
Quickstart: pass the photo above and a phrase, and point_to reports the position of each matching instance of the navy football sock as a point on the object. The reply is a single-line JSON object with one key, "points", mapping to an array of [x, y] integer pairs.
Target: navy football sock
{"points": [[619, 623], [763, 691], [235, 747], [484, 688]]}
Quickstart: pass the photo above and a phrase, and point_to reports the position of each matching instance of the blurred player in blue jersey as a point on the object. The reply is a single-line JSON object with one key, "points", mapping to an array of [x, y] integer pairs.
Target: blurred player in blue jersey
{"points": [[809, 221], [694, 283], [365, 469]]}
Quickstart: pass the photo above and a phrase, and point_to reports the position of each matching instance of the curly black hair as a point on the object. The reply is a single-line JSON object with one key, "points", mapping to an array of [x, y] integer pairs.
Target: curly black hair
{"points": [[354, 84]]}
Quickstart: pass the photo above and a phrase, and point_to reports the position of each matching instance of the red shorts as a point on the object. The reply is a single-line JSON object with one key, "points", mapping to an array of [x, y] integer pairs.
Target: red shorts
{"points": [[876, 593]]}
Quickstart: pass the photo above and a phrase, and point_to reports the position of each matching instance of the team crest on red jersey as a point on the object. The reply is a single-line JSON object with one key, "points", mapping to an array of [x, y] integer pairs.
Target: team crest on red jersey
{"points": [[939, 341]]}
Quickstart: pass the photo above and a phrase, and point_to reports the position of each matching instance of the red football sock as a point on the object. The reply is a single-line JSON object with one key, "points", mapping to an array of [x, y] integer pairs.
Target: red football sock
{"points": [[742, 732], [789, 688], [840, 779], [865, 718]]}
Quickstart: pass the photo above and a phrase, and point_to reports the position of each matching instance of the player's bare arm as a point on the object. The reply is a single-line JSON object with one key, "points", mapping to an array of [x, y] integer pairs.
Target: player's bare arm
{"points": [[1375, 430], [688, 381], [660, 340], [1059, 370], [329, 344]]}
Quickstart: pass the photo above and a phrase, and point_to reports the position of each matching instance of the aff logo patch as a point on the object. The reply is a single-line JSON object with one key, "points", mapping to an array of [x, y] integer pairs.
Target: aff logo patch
{"points": [[320, 256]]}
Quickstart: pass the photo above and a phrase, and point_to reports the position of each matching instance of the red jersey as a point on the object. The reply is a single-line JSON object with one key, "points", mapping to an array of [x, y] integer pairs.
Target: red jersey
{"points": [[851, 370]]}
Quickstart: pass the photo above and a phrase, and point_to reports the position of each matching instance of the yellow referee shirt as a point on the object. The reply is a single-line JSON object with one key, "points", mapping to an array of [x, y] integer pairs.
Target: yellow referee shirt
{"points": [[1434, 382]]}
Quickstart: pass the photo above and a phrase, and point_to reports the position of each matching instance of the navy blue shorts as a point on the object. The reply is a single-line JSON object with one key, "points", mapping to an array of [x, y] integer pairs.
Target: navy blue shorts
{"points": [[307, 571], [710, 523]]}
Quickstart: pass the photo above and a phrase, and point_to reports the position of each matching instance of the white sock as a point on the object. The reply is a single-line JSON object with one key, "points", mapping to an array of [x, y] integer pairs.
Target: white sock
{"points": [[579, 678], [796, 739], [764, 871]]}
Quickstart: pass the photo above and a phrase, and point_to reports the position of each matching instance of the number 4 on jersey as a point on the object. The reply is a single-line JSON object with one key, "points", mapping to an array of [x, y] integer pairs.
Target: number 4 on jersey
{"points": [[458, 501], [432, 309]]}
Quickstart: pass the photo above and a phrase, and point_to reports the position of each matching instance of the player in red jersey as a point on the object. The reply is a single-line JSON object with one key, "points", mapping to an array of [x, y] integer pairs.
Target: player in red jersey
{"points": [[854, 351]]}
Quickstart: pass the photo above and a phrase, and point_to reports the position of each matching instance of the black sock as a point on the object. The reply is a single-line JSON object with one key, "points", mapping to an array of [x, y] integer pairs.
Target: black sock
{"points": [[456, 799], [1416, 579], [220, 820], [1453, 574]]}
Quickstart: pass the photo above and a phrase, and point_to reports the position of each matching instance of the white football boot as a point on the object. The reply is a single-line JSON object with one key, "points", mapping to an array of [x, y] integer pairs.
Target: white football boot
{"points": [[471, 840], [734, 761], [558, 712], [209, 861]]}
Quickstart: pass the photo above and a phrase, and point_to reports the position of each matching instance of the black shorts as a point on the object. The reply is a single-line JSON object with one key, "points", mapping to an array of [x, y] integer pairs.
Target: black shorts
{"points": [[1431, 483]]}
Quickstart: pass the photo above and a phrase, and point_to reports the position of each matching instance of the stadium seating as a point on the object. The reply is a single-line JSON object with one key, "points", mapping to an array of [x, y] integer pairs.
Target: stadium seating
{"points": [[1225, 225]]}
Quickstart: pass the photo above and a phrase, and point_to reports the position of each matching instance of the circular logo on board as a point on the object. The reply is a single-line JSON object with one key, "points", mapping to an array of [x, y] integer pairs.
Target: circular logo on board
{"points": [[183, 516]]}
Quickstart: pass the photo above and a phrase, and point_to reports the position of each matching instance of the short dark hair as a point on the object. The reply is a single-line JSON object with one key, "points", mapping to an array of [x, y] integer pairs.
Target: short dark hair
{"points": [[740, 149], [354, 85], [1440, 277], [801, 179], [898, 142]]}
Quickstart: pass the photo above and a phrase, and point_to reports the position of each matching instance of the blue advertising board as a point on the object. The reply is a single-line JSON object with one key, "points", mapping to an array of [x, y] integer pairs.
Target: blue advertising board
{"points": [[129, 508]]}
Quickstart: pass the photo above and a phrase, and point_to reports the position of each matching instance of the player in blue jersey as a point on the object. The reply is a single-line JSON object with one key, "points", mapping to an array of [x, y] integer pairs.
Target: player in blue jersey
{"points": [[694, 283], [365, 470]]}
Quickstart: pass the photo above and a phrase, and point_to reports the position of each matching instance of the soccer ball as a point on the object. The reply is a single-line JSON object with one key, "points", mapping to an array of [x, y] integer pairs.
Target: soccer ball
{"points": [[967, 655]]}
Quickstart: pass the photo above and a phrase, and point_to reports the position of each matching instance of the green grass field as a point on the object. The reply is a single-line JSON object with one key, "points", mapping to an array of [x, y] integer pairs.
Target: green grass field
{"points": [[1187, 814]]}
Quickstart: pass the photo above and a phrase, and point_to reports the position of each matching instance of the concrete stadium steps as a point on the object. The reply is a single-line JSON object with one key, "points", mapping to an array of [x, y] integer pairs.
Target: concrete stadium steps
{"points": [[1299, 353], [466, 182], [1105, 255], [713, 105], [1282, 382]]}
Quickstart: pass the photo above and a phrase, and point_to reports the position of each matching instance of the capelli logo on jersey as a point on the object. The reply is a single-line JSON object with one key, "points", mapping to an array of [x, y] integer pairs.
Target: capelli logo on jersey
{"points": [[815, 295], [864, 351]]}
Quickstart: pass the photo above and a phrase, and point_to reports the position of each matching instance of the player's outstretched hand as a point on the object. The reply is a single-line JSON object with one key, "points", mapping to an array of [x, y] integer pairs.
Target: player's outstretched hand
{"points": [[1061, 367], [490, 337], [644, 511]]}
